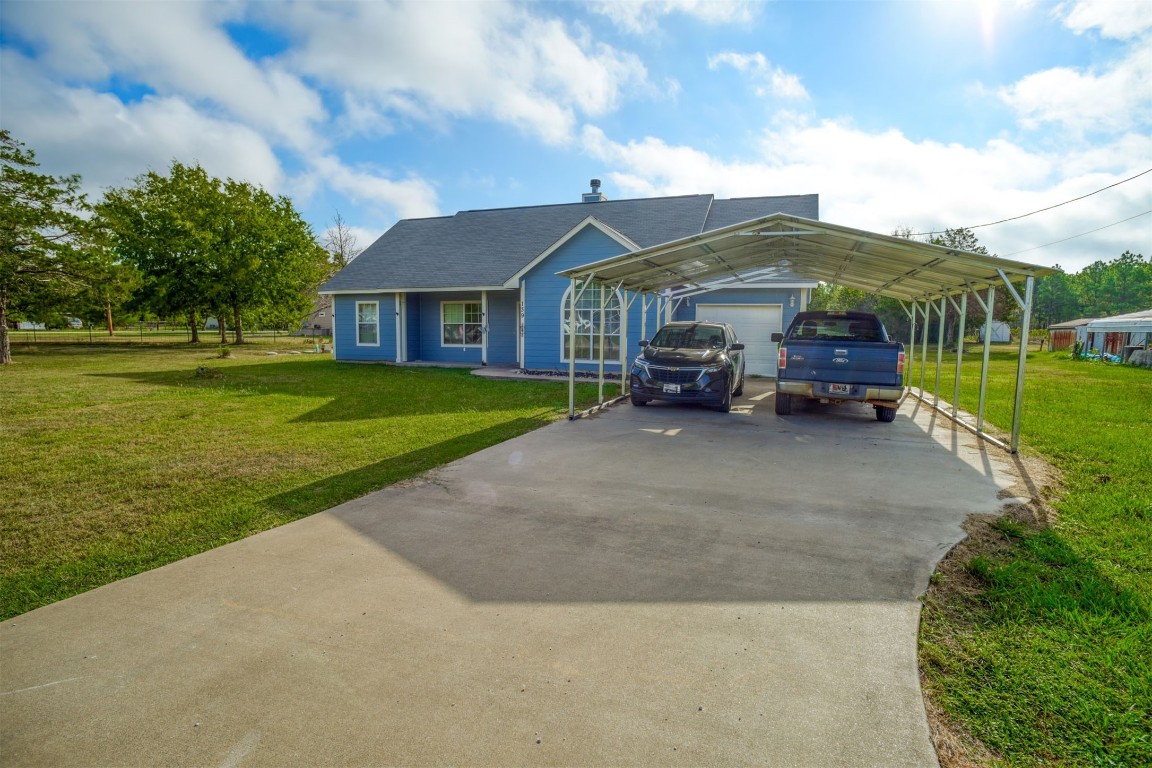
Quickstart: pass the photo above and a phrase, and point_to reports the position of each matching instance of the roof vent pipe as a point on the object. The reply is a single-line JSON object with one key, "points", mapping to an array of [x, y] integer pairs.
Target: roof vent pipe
{"points": [[595, 196]]}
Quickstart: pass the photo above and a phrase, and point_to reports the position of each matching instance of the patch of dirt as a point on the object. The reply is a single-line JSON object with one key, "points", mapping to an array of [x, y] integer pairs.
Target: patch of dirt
{"points": [[952, 586]]}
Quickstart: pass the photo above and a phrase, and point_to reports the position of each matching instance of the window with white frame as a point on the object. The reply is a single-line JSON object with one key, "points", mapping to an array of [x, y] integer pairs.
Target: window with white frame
{"points": [[461, 324], [367, 324], [587, 323]]}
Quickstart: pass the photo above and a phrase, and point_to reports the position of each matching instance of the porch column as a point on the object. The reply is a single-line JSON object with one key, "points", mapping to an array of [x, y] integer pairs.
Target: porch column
{"points": [[483, 327]]}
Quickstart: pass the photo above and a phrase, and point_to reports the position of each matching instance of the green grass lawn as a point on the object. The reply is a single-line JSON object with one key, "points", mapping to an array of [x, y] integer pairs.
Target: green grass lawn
{"points": [[1046, 656], [115, 460]]}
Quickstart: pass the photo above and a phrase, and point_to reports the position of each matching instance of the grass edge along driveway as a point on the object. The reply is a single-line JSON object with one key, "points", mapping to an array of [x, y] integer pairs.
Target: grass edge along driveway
{"points": [[1035, 637], [117, 460]]}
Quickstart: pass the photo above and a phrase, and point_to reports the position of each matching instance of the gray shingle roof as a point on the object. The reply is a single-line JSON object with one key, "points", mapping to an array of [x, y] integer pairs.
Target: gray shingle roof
{"points": [[486, 247]]}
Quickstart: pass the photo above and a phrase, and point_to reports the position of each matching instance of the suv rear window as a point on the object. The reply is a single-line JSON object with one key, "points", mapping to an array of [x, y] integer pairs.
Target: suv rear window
{"points": [[837, 329]]}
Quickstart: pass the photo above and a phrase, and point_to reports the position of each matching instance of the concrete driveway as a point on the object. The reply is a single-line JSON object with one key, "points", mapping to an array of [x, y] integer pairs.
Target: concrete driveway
{"points": [[648, 586]]}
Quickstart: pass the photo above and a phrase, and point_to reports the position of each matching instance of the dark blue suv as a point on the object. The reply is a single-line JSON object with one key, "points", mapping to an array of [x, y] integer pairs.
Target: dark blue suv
{"points": [[689, 362]]}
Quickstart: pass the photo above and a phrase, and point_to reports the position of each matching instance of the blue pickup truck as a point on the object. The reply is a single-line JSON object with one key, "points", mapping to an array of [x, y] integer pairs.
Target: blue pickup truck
{"points": [[838, 357]]}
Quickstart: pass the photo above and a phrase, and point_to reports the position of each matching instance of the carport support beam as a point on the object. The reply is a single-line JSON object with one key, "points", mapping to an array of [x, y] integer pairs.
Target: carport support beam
{"points": [[572, 351], [1025, 329], [911, 341], [924, 345], [600, 356], [963, 310], [988, 307], [939, 350]]}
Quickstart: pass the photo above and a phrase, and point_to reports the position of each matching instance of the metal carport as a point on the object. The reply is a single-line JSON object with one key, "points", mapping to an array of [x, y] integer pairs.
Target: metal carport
{"points": [[925, 278]]}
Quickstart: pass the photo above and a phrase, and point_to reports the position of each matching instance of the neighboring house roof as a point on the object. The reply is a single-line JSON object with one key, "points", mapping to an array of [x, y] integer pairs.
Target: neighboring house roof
{"points": [[1070, 324], [1133, 322], [484, 248]]}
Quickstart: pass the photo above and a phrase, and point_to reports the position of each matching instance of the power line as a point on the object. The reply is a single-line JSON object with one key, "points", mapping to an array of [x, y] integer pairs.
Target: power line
{"points": [[1073, 237], [1066, 202]]}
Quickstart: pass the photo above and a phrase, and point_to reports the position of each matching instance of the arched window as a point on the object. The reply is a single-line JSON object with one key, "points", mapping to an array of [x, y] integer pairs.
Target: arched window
{"points": [[588, 325]]}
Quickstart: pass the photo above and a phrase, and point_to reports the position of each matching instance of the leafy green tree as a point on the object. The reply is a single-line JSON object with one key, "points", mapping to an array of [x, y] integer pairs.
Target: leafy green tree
{"points": [[42, 235], [111, 288], [1055, 299], [267, 255], [1115, 287], [206, 246], [159, 226]]}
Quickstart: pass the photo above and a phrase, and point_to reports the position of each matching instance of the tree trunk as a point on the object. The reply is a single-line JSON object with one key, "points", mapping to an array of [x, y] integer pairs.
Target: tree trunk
{"points": [[5, 347], [108, 316], [237, 325], [192, 324], [222, 326]]}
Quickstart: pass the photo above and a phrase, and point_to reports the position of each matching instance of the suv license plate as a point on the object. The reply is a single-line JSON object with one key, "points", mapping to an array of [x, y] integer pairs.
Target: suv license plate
{"points": [[672, 389], [839, 389]]}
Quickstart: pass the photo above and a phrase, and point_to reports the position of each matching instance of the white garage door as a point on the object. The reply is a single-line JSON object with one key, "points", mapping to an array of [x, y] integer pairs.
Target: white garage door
{"points": [[754, 324]]}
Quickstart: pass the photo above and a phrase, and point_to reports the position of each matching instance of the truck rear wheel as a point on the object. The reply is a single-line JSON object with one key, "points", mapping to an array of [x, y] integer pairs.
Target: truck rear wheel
{"points": [[783, 404], [885, 413]]}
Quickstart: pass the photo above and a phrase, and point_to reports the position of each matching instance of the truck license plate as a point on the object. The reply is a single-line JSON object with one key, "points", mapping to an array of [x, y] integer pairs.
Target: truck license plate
{"points": [[839, 389], [672, 389]]}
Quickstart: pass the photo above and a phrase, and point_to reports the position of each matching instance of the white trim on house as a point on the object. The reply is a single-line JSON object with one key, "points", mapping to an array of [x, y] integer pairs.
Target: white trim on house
{"points": [[589, 221], [483, 327], [376, 315], [521, 310], [453, 289], [401, 327]]}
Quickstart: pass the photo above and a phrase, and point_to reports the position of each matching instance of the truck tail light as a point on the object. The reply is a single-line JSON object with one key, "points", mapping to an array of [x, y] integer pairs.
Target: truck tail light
{"points": [[900, 365], [782, 360]]}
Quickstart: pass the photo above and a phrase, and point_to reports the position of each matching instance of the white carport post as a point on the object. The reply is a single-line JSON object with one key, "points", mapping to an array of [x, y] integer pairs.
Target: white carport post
{"points": [[625, 308], [600, 355], [911, 340], [572, 350], [962, 309], [939, 351], [1025, 327], [987, 306], [572, 342], [924, 345]]}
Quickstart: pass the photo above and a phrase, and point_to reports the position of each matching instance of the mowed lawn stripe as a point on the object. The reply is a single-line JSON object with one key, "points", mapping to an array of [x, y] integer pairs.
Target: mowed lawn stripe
{"points": [[116, 460]]}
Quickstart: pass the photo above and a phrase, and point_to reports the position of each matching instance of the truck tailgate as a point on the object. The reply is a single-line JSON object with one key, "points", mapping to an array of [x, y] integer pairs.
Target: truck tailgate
{"points": [[844, 362]]}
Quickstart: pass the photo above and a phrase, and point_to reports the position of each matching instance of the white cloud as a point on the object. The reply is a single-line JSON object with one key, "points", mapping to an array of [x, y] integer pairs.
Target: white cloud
{"points": [[1116, 99], [109, 142], [643, 16], [173, 49], [427, 62], [1121, 19], [879, 181], [768, 80], [409, 198]]}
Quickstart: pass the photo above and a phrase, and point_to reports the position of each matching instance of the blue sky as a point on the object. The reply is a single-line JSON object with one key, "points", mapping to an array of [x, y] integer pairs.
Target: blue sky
{"points": [[899, 114]]}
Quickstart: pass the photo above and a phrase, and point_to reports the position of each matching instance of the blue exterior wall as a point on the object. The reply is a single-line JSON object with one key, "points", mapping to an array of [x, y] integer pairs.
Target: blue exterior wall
{"points": [[344, 341], [431, 347], [544, 294], [502, 327], [413, 321]]}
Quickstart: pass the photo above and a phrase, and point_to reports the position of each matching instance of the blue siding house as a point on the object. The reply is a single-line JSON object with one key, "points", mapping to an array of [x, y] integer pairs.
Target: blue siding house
{"points": [[481, 287]]}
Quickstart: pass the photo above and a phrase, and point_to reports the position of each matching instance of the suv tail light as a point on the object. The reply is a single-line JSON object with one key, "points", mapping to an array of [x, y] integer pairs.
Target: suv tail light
{"points": [[782, 360], [900, 365]]}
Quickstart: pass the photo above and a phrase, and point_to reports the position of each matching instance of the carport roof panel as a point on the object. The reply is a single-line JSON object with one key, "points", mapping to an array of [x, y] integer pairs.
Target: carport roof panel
{"points": [[792, 247]]}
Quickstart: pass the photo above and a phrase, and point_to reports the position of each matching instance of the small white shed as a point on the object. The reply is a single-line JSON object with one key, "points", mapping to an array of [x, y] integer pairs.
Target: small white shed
{"points": [[1001, 333]]}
